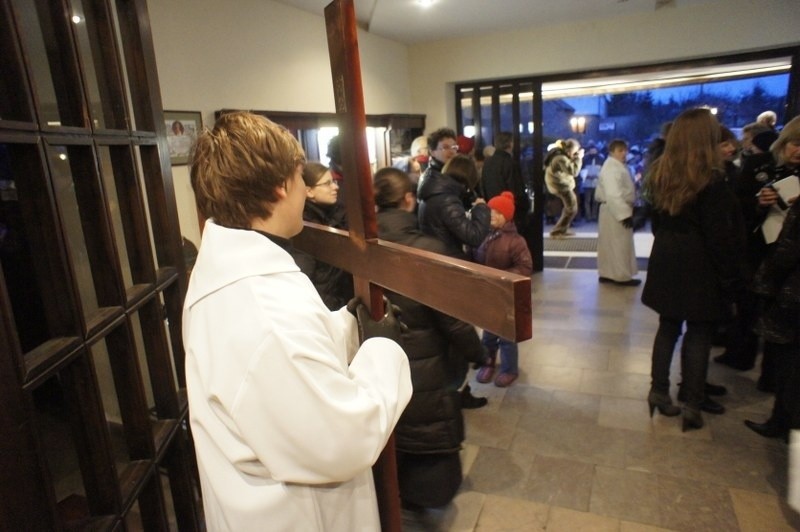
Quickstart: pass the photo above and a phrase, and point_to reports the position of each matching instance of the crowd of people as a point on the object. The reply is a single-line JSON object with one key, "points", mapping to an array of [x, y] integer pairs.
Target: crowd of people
{"points": [[271, 333]]}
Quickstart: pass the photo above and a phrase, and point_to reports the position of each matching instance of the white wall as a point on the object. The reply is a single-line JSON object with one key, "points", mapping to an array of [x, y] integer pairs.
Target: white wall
{"points": [[259, 54], [717, 27]]}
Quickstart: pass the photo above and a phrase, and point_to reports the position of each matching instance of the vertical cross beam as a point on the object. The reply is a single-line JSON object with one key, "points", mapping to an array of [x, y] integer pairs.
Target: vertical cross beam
{"points": [[342, 31], [492, 299]]}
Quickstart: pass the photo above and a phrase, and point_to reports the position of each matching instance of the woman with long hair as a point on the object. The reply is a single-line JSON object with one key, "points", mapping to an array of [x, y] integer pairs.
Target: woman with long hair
{"points": [[334, 285], [695, 265]]}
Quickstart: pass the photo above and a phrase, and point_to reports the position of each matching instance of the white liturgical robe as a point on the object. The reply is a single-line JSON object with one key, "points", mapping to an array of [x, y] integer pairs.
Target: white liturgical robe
{"points": [[616, 193], [287, 413]]}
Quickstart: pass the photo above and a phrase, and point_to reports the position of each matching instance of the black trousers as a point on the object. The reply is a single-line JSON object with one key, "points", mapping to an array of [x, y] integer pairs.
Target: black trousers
{"points": [[695, 350], [786, 409]]}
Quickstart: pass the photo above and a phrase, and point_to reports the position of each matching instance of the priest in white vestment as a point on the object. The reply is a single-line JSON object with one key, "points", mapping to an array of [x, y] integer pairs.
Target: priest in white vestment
{"points": [[616, 193]]}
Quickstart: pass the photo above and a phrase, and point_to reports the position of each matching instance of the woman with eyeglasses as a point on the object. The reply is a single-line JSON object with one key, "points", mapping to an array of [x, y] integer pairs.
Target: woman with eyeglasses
{"points": [[334, 285]]}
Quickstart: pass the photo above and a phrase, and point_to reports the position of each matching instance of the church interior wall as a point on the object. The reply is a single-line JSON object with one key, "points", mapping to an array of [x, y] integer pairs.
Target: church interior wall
{"points": [[260, 54]]}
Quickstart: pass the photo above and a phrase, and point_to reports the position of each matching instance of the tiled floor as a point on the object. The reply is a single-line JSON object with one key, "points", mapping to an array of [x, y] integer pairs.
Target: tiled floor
{"points": [[570, 445]]}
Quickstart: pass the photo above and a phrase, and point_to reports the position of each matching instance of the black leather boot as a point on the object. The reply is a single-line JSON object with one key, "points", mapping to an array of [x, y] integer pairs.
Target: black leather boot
{"points": [[768, 429], [470, 401]]}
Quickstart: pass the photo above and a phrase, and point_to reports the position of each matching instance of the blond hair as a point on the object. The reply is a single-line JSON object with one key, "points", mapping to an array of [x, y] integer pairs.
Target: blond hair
{"points": [[237, 166], [789, 133]]}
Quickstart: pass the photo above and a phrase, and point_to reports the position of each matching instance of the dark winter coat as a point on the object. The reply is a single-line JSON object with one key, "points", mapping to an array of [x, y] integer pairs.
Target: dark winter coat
{"points": [[435, 343], [696, 267], [505, 249], [501, 172], [442, 215], [757, 170], [334, 285], [777, 281], [433, 169]]}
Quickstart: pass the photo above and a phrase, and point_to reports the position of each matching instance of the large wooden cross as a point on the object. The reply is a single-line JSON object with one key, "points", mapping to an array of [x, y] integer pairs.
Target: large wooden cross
{"points": [[491, 299]]}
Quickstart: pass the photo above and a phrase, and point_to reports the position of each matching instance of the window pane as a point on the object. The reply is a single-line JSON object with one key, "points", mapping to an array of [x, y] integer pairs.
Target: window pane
{"points": [[61, 170], [30, 250], [99, 66], [13, 90], [44, 36], [31, 34], [114, 208]]}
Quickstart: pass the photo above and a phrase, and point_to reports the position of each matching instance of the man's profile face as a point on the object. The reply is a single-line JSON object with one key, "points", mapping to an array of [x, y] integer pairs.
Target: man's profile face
{"points": [[296, 197], [446, 149]]}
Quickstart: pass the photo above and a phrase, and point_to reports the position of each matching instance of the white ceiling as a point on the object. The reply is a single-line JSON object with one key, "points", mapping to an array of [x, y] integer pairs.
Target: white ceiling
{"points": [[407, 22]]}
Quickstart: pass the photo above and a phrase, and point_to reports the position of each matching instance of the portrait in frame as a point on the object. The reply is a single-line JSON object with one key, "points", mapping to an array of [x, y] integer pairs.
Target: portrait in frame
{"points": [[182, 130]]}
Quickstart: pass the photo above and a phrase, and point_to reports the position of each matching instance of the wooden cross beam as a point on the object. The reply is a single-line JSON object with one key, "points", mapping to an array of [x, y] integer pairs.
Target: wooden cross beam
{"points": [[491, 299]]}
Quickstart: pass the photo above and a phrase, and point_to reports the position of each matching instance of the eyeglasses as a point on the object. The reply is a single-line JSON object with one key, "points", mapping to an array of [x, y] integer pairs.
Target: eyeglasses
{"points": [[328, 183], [454, 147]]}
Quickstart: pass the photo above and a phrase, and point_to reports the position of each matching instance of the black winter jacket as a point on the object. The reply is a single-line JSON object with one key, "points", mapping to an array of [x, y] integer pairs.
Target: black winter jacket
{"points": [[501, 172], [442, 214], [335, 286], [777, 281], [436, 344], [757, 170], [696, 267]]}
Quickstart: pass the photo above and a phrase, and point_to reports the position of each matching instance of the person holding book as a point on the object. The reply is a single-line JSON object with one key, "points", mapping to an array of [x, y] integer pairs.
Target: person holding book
{"points": [[764, 217]]}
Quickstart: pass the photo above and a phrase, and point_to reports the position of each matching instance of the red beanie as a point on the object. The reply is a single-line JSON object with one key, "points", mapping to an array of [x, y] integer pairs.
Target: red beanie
{"points": [[465, 144], [504, 204]]}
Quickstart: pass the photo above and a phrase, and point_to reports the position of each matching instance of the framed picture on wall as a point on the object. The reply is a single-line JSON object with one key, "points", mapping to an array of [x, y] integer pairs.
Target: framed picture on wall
{"points": [[182, 129]]}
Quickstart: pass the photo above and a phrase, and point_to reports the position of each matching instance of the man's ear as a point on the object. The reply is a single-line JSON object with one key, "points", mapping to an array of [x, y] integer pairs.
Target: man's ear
{"points": [[282, 191]]}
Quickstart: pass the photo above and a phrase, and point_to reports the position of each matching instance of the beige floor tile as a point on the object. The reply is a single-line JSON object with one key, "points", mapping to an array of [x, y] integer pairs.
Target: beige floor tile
{"points": [[500, 472], [630, 361], [629, 526], [569, 357], [632, 385], [566, 520], [554, 377], [578, 417], [622, 413], [581, 441], [469, 452], [500, 514], [630, 495], [461, 515], [760, 511], [488, 428], [561, 482], [573, 406], [528, 400], [729, 430], [692, 505]]}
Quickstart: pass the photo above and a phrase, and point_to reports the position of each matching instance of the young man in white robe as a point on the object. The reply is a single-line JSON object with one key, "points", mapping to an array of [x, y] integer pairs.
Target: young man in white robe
{"points": [[288, 413], [616, 193]]}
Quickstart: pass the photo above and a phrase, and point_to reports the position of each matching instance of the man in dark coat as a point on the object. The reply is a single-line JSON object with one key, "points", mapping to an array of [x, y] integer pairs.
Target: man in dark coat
{"points": [[443, 146], [501, 172]]}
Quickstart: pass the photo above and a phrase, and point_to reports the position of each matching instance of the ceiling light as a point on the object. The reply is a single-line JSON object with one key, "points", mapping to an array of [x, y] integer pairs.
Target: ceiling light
{"points": [[76, 19], [426, 3]]}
